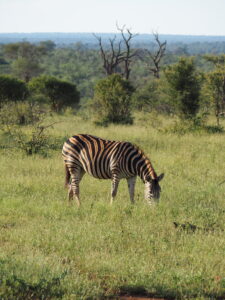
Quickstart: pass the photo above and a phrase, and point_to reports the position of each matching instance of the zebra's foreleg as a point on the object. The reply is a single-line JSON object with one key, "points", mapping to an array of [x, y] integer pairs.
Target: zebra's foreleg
{"points": [[115, 184], [131, 186]]}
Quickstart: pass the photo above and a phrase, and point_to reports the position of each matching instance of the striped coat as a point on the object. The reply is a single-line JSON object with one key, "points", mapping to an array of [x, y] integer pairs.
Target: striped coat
{"points": [[104, 159]]}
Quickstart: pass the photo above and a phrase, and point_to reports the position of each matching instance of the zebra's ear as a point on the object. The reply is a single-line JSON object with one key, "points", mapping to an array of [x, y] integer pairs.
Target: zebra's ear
{"points": [[160, 177]]}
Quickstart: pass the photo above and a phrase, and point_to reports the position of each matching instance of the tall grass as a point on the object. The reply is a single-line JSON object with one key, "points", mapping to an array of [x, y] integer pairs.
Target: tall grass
{"points": [[49, 250]]}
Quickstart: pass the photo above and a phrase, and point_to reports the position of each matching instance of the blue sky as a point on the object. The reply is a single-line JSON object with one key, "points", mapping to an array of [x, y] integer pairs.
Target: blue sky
{"points": [[194, 17]]}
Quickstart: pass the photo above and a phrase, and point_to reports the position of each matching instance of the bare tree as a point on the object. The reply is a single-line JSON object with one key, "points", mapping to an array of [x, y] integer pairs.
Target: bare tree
{"points": [[128, 54], [111, 58], [153, 58], [118, 57]]}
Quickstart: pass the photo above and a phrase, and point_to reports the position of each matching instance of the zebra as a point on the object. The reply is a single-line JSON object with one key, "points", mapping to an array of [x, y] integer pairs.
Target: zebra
{"points": [[105, 159]]}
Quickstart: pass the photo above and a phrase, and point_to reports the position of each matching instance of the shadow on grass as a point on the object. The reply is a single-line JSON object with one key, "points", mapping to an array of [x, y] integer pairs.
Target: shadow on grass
{"points": [[140, 291]]}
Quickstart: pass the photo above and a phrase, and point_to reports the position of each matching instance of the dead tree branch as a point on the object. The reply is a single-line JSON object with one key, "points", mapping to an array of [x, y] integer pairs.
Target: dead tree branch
{"points": [[128, 54], [153, 59], [118, 58]]}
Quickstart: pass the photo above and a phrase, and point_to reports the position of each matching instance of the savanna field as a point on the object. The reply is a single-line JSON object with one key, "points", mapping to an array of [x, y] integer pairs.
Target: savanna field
{"points": [[50, 250]]}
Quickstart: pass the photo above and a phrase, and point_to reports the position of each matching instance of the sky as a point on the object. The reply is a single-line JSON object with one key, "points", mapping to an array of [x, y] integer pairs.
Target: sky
{"points": [[186, 17]]}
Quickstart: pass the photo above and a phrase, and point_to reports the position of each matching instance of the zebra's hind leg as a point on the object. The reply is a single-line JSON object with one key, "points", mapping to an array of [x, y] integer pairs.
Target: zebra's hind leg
{"points": [[74, 190], [115, 184], [131, 185], [70, 194]]}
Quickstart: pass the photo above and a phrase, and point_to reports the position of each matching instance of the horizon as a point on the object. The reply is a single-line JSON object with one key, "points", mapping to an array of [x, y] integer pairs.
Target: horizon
{"points": [[91, 33]]}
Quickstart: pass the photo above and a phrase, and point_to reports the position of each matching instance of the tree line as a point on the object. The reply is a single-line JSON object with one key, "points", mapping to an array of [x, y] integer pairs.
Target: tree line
{"points": [[114, 80]]}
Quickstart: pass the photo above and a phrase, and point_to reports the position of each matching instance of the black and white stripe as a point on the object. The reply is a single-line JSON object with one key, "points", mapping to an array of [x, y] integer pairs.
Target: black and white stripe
{"points": [[104, 159]]}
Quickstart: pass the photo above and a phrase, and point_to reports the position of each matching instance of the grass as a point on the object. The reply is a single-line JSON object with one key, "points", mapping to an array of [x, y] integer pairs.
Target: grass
{"points": [[49, 250]]}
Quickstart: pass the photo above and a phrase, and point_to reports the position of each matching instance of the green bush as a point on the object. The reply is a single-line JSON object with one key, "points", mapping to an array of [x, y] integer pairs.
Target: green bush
{"points": [[184, 87], [112, 101], [12, 89], [31, 138], [147, 97], [152, 97], [20, 113], [59, 94]]}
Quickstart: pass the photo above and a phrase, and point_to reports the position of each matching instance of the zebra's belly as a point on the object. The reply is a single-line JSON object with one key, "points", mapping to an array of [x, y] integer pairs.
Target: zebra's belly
{"points": [[97, 173], [108, 175]]}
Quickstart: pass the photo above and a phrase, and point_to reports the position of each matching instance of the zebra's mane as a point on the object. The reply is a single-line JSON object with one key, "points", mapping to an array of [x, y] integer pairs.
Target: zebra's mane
{"points": [[151, 170], [140, 151]]}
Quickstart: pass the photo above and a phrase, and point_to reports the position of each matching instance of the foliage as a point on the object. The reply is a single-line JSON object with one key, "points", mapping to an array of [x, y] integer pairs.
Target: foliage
{"points": [[112, 100], [25, 68], [59, 93], [146, 97], [26, 58], [184, 87], [216, 85], [32, 139], [217, 60], [78, 65], [20, 113], [12, 89], [152, 96]]}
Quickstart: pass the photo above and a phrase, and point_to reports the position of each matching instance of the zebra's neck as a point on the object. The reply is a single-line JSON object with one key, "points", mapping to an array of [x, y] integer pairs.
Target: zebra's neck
{"points": [[145, 169]]}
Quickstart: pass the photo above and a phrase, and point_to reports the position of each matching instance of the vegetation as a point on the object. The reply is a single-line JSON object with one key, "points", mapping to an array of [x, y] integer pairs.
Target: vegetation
{"points": [[216, 84], [112, 100], [59, 94], [50, 250], [26, 58], [12, 89], [184, 87]]}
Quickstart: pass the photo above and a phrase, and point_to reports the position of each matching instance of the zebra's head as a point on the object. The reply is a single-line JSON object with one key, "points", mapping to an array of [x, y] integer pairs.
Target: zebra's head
{"points": [[153, 189]]}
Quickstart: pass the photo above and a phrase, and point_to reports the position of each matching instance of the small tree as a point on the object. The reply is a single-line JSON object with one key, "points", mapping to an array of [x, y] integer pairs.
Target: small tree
{"points": [[25, 68], [216, 80], [112, 100], [59, 93], [216, 84], [12, 89], [26, 58], [184, 87]]}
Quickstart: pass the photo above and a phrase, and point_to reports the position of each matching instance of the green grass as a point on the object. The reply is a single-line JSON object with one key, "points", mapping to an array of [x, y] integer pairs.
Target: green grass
{"points": [[49, 250]]}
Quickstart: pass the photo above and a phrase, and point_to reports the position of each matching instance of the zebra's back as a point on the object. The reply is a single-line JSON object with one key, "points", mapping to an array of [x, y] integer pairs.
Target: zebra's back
{"points": [[94, 155]]}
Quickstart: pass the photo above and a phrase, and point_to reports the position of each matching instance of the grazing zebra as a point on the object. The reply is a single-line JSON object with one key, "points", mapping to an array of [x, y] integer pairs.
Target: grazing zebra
{"points": [[105, 159]]}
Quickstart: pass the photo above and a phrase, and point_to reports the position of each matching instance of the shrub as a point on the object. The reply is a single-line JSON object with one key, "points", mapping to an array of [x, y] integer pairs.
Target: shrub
{"points": [[112, 100], [146, 97], [60, 94], [184, 87], [12, 89], [31, 139], [20, 113]]}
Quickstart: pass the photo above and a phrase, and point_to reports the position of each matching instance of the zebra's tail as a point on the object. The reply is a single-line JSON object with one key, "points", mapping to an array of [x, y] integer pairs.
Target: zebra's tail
{"points": [[67, 177]]}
